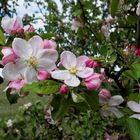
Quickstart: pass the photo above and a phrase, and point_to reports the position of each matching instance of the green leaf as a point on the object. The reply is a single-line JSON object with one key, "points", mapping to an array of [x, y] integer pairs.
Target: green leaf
{"points": [[43, 87], [136, 69], [114, 7], [12, 97], [133, 127], [92, 99], [60, 105], [2, 38]]}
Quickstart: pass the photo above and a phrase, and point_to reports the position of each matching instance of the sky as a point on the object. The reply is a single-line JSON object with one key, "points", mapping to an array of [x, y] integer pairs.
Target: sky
{"points": [[21, 10]]}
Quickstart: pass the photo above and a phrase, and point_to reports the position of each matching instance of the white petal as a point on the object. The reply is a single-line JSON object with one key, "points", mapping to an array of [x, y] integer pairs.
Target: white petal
{"points": [[30, 75], [60, 74], [14, 71], [47, 58], [115, 100], [136, 116], [68, 59], [81, 60], [37, 43], [134, 106], [7, 24], [116, 112], [22, 48], [73, 81], [85, 72]]}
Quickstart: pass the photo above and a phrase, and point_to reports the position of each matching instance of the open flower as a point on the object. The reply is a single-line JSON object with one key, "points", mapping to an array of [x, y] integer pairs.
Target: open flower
{"points": [[75, 67], [111, 105], [12, 26], [32, 57], [134, 106]]}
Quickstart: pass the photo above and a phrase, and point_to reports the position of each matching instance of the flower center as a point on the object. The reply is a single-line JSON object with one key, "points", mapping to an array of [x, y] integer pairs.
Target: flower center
{"points": [[32, 61], [73, 70]]}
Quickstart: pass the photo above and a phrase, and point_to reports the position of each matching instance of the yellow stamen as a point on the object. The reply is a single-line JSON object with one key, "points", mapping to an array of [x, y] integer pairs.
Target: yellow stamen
{"points": [[73, 70], [32, 61]]}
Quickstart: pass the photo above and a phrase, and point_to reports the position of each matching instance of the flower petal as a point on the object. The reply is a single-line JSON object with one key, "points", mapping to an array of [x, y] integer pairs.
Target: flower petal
{"points": [[30, 75], [22, 48], [60, 74], [47, 58], [116, 112], [86, 72], [68, 59], [136, 116], [81, 61], [37, 43], [7, 24], [14, 71], [115, 100], [17, 24], [134, 106], [73, 81]]}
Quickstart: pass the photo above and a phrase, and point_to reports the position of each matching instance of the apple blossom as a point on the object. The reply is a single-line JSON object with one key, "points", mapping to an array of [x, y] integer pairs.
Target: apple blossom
{"points": [[109, 19], [111, 105], [105, 30], [28, 105], [9, 123], [137, 52], [64, 89], [12, 26], [9, 55], [32, 57], [76, 23], [50, 44], [75, 67], [93, 81], [43, 75], [134, 106]]}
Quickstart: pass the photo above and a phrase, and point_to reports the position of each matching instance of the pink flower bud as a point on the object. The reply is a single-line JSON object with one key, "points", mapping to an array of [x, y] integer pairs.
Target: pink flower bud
{"points": [[91, 63], [43, 75], [50, 44], [104, 93], [64, 89], [9, 55], [137, 52], [94, 81], [17, 84]]}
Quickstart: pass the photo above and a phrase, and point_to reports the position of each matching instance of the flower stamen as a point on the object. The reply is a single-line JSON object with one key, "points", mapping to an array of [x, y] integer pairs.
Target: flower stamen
{"points": [[73, 70], [32, 61]]}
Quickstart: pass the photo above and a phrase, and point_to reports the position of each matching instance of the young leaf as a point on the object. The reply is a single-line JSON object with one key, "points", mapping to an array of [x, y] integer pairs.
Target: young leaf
{"points": [[42, 87], [133, 127], [114, 7], [2, 38]]}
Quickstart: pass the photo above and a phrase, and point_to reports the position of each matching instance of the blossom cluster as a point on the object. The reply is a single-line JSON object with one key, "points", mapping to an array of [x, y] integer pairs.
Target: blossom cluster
{"points": [[34, 60]]}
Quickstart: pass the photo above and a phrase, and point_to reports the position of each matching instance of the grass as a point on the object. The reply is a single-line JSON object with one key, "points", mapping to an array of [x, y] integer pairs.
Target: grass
{"points": [[8, 110]]}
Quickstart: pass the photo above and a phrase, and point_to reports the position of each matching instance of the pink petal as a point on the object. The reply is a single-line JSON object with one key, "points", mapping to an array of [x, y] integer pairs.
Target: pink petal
{"points": [[134, 106], [73, 81], [17, 24], [7, 51], [17, 84], [68, 59], [43, 75], [85, 72], [50, 44]]}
